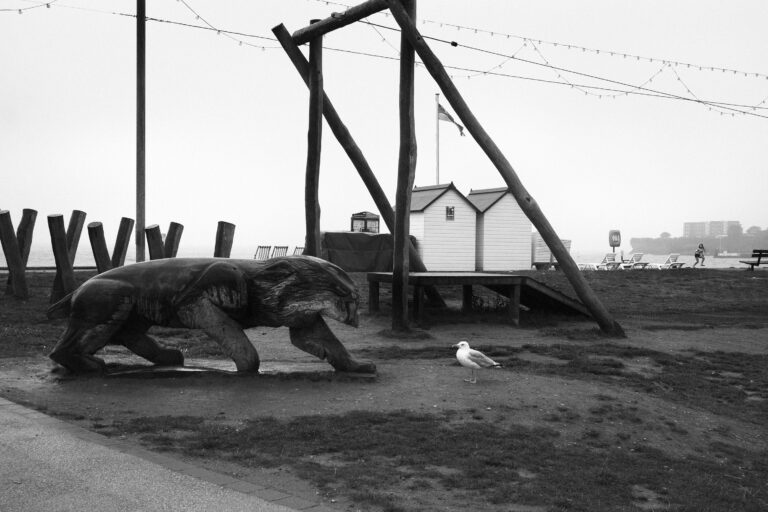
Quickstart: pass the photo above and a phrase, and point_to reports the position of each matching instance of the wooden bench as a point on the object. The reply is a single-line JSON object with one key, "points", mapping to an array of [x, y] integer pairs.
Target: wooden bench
{"points": [[759, 254]]}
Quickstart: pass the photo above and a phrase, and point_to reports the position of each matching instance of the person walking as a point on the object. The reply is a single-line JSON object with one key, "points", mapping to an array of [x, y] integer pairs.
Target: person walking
{"points": [[699, 255]]}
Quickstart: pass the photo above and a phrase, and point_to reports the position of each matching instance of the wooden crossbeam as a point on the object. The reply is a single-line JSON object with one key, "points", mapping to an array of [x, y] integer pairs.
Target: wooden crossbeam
{"points": [[338, 20]]}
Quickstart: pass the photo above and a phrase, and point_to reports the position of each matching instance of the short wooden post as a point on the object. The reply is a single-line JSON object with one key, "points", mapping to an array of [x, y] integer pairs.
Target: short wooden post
{"points": [[155, 242], [406, 172], [172, 239], [122, 242], [72, 237], [23, 241], [418, 304], [373, 296], [17, 283], [99, 247], [466, 298], [225, 236], [314, 138], [527, 204], [24, 233], [514, 304], [65, 274]]}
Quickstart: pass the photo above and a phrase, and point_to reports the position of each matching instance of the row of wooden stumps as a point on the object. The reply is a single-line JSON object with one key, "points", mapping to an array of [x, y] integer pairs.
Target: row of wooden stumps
{"points": [[16, 246]]}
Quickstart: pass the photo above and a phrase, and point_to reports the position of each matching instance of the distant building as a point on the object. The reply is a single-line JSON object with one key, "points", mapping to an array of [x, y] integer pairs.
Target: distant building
{"points": [[694, 229], [503, 231], [364, 222], [723, 227], [444, 223], [711, 228]]}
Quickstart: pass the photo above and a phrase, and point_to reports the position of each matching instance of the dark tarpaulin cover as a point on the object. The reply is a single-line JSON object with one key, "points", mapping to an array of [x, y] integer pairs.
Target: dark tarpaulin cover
{"points": [[359, 252]]}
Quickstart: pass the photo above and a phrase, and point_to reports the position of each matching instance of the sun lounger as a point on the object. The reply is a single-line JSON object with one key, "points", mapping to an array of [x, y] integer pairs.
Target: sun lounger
{"points": [[609, 262], [262, 252], [634, 262], [670, 263], [279, 250]]}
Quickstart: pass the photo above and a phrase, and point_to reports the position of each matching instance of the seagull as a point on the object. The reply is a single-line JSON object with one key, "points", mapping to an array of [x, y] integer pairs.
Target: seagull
{"points": [[473, 359]]}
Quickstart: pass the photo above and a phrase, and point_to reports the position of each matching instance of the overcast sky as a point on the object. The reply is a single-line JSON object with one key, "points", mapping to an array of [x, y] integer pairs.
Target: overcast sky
{"points": [[227, 122]]}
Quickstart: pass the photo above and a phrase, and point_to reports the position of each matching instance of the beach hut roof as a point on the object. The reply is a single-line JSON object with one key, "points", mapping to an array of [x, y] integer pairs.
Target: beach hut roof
{"points": [[485, 198], [422, 197]]}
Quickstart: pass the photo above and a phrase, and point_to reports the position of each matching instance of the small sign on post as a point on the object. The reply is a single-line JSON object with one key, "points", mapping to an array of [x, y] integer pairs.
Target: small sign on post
{"points": [[614, 239]]}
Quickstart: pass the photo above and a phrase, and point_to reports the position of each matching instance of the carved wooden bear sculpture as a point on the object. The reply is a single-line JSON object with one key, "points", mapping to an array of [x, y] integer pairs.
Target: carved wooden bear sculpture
{"points": [[220, 296]]}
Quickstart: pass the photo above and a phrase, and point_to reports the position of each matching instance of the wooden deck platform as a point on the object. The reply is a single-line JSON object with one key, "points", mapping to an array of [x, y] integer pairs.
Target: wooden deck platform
{"points": [[519, 289]]}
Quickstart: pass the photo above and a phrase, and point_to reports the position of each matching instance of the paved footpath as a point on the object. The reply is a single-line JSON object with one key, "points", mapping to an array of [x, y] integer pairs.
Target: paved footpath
{"points": [[49, 465]]}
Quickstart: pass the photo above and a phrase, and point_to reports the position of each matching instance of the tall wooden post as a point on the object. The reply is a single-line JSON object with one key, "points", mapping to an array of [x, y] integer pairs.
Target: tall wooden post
{"points": [[529, 206], [406, 172], [314, 140], [140, 127]]}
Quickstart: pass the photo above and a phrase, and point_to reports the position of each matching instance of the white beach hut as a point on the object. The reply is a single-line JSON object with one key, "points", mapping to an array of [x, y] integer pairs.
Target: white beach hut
{"points": [[503, 231], [444, 223]]}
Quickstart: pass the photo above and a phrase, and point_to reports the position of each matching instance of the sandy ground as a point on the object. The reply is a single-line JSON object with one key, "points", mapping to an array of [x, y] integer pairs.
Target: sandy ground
{"points": [[293, 383]]}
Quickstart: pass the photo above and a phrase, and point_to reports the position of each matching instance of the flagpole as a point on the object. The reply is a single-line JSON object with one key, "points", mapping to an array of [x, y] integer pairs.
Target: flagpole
{"points": [[437, 138]]}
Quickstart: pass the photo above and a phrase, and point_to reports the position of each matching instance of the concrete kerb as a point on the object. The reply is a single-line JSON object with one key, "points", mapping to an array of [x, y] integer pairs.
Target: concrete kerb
{"points": [[273, 499]]}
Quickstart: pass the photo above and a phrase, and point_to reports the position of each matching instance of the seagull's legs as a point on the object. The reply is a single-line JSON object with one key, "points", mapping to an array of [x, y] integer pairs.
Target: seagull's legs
{"points": [[472, 378]]}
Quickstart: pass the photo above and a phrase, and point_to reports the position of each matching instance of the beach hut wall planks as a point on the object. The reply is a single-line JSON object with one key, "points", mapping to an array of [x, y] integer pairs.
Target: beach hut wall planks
{"points": [[444, 223], [503, 231]]}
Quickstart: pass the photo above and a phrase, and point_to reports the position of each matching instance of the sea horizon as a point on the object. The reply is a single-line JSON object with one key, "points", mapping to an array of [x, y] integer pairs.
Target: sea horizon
{"points": [[41, 256]]}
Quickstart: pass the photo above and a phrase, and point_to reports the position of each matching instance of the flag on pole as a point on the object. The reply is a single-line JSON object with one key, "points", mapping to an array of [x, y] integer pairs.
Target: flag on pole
{"points": [[442, 115]]}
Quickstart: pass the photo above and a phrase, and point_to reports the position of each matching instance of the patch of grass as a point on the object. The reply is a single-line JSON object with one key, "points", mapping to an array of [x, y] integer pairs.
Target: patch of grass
{"points": [[720, 382], [372, 456], [675, 327]]}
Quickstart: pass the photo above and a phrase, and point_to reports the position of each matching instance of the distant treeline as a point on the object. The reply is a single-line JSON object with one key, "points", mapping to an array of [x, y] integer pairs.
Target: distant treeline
{"points": [[740, 243]]}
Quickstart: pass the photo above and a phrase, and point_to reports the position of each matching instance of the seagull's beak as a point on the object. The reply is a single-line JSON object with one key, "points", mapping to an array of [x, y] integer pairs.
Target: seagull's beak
{"points": [[455, 346]]}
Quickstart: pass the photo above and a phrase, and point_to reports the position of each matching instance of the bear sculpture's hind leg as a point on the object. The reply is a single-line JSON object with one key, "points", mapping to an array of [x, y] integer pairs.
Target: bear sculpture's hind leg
{"points": [[133, 336], [318, 339], [80, 341]]}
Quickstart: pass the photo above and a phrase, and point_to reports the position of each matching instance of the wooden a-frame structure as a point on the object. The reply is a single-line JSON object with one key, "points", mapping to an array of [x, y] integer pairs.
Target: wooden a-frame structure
{"points": [[405, 255]]}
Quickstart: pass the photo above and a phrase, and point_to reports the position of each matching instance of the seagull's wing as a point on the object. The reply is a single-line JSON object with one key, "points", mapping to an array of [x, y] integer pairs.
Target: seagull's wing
{"points": [[481, 359]]}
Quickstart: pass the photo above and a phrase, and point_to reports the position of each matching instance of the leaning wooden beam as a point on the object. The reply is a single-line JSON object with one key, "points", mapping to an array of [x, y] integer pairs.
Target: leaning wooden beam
{"points": [[354, 153], [314, 146], [225, 235], [61, 256], [338, 20], [406, 173], [527, 203], [17, 283]]}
